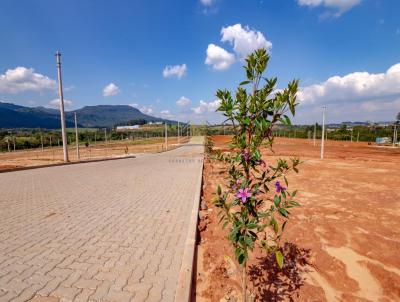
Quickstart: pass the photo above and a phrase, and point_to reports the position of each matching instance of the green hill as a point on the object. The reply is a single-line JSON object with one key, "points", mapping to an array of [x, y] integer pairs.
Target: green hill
{"points": [[101, 116]]}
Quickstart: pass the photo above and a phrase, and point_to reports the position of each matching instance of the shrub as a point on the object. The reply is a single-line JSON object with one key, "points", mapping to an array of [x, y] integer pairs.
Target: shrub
{"points": [[257, 192]]}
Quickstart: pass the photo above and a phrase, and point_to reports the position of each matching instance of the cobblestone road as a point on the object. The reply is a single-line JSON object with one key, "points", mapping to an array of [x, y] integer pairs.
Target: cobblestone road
{"points": [[106, 231]]}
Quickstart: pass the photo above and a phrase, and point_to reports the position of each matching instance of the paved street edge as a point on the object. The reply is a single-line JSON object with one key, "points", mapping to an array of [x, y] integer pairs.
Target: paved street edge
{"points": [[185, 280], [65, 164]]}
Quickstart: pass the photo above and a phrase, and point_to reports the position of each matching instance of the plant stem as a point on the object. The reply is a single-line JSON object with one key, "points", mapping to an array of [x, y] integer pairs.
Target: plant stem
{"points": [[244, 282]]}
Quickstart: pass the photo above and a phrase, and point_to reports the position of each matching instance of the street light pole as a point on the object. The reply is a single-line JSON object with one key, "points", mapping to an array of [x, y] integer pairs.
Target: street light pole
{"points": [[61, 95], [323, 132], [78, 156], [179, 139]]}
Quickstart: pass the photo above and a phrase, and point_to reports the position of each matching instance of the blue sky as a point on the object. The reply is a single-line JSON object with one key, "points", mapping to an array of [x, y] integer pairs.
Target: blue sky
{"points": [[168, 58]]}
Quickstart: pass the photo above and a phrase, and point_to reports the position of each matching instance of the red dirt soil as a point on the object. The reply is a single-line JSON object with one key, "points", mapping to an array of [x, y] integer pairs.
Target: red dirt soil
{"points": [[342, 244], [49, 156]]}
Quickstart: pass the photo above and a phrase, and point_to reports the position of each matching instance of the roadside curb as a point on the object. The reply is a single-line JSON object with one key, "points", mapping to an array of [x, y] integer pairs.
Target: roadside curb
{"points": [[64, 164], [184, 288]]}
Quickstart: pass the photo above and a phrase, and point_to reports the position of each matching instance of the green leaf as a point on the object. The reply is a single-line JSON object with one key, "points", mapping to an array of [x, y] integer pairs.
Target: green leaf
{"points": [[219, 190], [251, 225], [244, 83], [277, 201], [275, 225], [283, 225], [248, 241], [279, 259], [241, 258], [283, 212]]}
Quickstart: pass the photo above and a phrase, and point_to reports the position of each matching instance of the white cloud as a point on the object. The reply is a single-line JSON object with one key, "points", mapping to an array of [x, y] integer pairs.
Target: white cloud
{"points": [[206, 107], [244, 40], [357, 86], [167, 114], [146, 110], [218, 57], [110, 90], [183, 101], [177, 71], [207, 2], [340, 6], [23, 79], [356, 96], [143, 109], [56, 103], [379, 105]]}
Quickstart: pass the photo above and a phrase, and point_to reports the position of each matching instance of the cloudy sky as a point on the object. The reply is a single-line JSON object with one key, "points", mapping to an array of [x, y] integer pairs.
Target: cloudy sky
{"points": [[168, 58]]}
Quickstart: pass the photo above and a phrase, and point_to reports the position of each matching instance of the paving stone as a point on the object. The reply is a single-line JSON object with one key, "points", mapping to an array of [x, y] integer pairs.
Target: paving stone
{"points": [[119, 296], [105, 231], [87, 283], [67, 293]]}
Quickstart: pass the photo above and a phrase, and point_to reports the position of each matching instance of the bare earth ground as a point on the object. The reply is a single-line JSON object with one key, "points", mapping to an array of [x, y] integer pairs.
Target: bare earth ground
{"points": [[343, 243], [37, 157]]}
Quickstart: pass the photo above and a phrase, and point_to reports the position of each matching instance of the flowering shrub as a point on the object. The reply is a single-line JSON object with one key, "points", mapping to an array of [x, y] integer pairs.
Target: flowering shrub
{"points": [[257, 192]]}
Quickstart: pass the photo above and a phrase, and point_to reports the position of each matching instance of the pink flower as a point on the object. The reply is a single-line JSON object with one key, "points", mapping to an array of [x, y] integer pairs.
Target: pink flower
{"points": [[244, 194], [246, 155]]}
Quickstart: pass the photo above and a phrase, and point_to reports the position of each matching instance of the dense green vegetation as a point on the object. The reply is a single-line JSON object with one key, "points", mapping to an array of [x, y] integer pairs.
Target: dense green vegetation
{"points": [[363, 133], [20, 139], [32, 138]]}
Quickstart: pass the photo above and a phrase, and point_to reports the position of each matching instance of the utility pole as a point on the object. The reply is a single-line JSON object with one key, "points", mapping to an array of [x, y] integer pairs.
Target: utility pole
{"points": [[323, 132], [394, 135], [315, 130], [179, 139], [60, 91], [358, 135], [166, 136], [78, 156], [8, 143]]}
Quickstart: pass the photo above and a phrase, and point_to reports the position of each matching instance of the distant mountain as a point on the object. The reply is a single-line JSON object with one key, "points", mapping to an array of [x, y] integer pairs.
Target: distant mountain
{"points": [[14, 116], [101, 116], [110, 115]]}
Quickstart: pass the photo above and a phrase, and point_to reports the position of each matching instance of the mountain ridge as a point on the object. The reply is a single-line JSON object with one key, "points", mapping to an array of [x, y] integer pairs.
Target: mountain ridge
{"points": [[96, 116]]}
